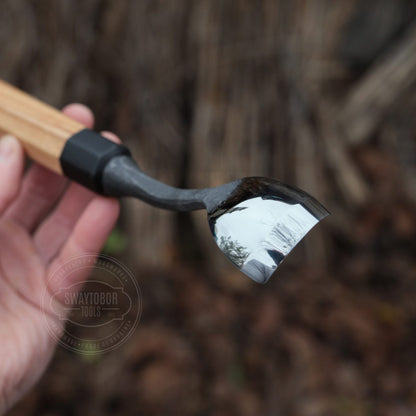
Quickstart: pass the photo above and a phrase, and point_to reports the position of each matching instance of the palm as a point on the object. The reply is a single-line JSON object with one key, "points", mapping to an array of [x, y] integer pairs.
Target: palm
{"points": [[26, 346], [41, 226]]}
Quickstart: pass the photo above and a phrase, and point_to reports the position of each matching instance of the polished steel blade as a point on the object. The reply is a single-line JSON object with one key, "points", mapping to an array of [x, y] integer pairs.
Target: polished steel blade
{"points": [[259, 232]]}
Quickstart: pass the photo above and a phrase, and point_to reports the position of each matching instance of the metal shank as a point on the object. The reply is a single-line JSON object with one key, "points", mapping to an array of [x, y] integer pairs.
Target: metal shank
{"points": [[122, 177]]}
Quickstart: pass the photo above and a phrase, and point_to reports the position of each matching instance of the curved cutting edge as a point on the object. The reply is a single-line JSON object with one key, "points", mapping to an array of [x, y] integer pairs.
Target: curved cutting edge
{"points": [[258, 233]]}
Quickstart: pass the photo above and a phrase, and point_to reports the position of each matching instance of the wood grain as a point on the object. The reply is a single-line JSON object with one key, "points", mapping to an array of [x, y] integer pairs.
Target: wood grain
{"points": [[42, 129]]}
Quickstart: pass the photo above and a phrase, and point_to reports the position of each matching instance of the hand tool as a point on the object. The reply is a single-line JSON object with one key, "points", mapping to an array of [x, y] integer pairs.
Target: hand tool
{"points": [[255, 221]]}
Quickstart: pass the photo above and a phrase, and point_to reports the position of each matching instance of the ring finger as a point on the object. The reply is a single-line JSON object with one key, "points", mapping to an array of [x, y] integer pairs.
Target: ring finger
{"points": [[41, 187]]}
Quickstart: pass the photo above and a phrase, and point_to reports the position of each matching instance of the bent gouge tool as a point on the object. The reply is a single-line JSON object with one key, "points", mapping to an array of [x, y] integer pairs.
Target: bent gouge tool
{"points": [[255, 221]]}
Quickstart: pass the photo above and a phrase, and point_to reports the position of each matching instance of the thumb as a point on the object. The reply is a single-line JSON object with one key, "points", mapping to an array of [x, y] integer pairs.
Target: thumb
{"points": [[11, 170]]}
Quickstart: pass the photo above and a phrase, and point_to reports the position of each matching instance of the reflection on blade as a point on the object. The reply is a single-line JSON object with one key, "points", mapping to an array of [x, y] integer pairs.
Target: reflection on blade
{"points": [[258, 233]]}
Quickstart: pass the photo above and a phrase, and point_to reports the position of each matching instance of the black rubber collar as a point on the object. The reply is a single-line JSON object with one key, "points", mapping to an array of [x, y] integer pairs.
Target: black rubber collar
{"points": [[85, 155]]}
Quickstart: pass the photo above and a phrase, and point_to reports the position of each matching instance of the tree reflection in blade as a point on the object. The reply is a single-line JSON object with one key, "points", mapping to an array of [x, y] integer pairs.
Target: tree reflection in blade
{"points": [[257, 234]]}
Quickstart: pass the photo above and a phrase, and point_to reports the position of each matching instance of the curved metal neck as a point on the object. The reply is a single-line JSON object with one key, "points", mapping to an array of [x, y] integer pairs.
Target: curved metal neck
{"points": [[122, 177]]}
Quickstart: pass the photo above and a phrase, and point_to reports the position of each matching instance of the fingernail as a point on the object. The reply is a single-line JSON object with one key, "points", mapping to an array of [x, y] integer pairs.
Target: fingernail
{"points": [[7, 143]]}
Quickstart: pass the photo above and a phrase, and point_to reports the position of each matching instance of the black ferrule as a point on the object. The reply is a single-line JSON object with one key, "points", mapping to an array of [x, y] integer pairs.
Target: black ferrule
{"points": [[85, 155]]}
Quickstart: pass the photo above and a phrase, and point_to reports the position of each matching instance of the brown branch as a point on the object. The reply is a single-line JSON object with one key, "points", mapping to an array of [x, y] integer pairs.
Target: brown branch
{"points": [[377, 91]]}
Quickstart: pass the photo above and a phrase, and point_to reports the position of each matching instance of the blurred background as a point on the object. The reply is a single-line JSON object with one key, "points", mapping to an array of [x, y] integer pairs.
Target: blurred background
{"points": [[320, 94]]}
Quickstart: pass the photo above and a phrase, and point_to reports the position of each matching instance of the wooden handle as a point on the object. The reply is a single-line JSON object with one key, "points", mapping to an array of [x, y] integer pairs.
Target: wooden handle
{"points": [[42, 129]]}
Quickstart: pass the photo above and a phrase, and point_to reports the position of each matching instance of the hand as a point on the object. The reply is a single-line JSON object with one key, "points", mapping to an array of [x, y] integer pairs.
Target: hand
{"points": [[44, 220]]}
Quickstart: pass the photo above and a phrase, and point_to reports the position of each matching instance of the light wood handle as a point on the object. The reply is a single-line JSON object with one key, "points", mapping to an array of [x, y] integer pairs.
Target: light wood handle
{"points": [[42, 129]]}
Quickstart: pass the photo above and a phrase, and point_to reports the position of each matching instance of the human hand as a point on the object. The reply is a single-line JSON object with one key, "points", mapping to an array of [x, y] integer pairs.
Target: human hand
{"points": [[44, 220]]}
